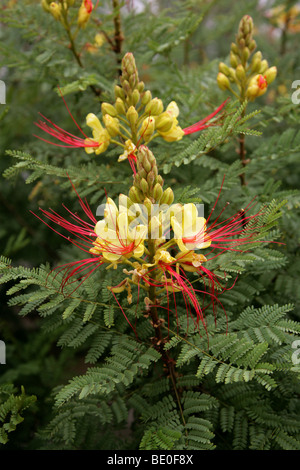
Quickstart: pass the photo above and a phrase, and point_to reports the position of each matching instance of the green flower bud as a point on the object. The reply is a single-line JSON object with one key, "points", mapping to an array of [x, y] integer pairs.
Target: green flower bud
{"points": [[157, 192], [120, 106], [163, 122], [223, 68], [107, 108], [132, 116], [245, 54], [141, 86], [147, 128], [112, 125], [119, 92], [234, 48], [135, 97], [256, 62], [271, 74], [144, 186], [167, 197], [154, 107], [240, 73], [263, 66], [135, 194], [146, 97], [233, 61], [223, 81]]}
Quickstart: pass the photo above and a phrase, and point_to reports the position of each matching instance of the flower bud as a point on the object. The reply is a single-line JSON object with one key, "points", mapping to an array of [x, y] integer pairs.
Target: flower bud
{"points": [[144, 186], [132, 116], [163, 122], [120, 106], [146, 97], [270, 74], [111, 124], [223, 81], [147, 129], [223, 68], [167, 197], [107, 108], [157, 192], [245, 54], [135, 195], [154, 107], [256, 61], [135, 97], [46, 6], [233, 61], [263, 66], [234, 48], [141, 86], [55, 10], [84, 13], [119, 92], [240, 73]]}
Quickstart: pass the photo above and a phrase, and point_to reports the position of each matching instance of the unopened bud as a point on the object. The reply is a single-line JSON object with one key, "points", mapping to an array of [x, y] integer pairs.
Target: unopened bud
{"points": [[240, 73], [154, 107], [263, 66], [55, 10], [233, 61], [46, 5], [157, 192], [147, 128], [223, 68], [111, 124], [167, 197], [120, 106], [245, 54], [84, 13], [119, 92], [108, 108], [135, 194], [141, 86], [223, 81], [132, 116], [256, 62], [163, 122], [144, 186], [234, 48], [147, 96], [271, 74], [135, 97]]}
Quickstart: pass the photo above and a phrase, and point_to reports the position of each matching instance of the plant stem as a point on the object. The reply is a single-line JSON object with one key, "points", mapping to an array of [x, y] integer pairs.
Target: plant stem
{"points": [[168, 361], [242, 153], [118, 36]]}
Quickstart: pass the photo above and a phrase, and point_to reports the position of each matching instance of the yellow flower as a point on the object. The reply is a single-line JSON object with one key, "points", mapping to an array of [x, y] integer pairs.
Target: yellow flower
{"points": [[130, 148], [190, 261], [100, 135], [189, 229], [115, 238], [175, 132]]}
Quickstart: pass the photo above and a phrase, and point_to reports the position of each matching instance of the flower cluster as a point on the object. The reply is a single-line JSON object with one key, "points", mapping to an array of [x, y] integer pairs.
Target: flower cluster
{"points": [[251, 77], [134, 119], [158, 242], [59, 10]]}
